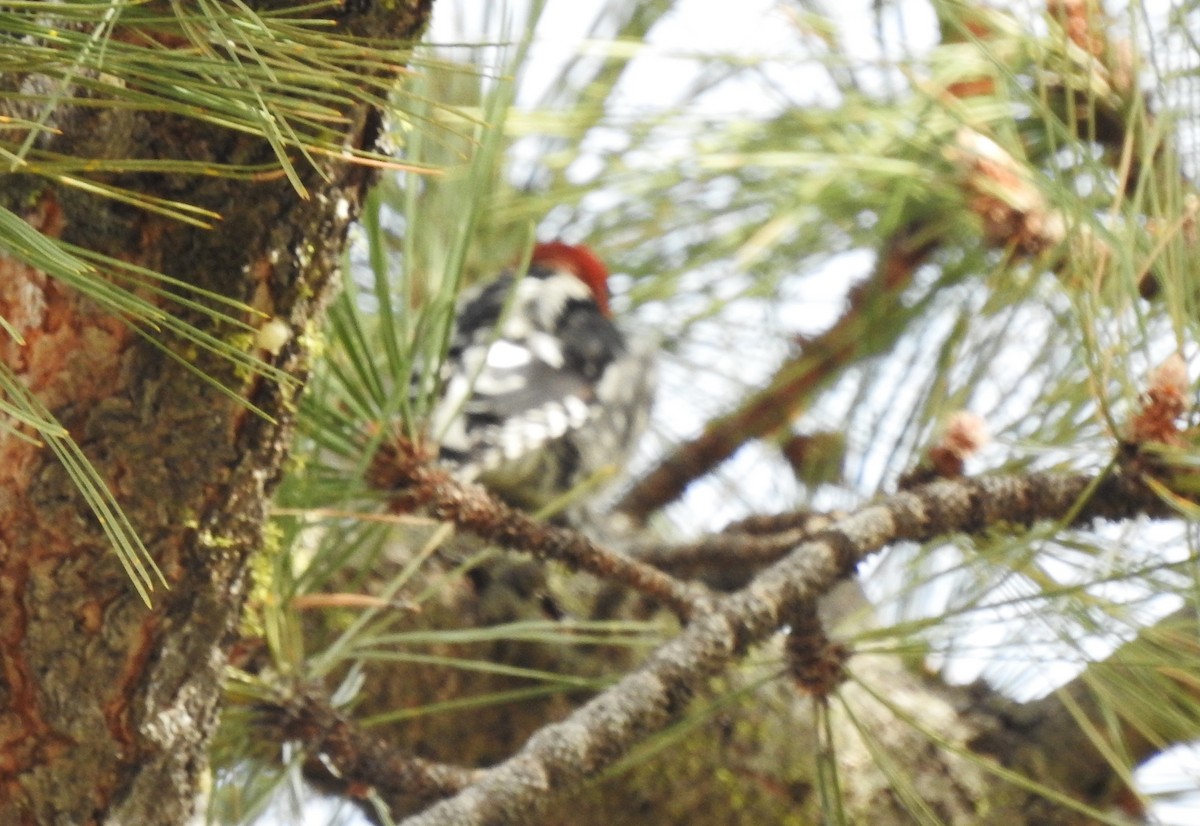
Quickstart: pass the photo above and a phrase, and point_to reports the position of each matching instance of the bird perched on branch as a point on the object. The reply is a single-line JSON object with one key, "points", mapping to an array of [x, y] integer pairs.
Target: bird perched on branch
{"points": [[541, 390]]}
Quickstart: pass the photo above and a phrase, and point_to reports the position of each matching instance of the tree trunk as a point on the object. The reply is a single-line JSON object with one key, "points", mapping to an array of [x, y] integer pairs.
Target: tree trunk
{"points": [[107, 706]]}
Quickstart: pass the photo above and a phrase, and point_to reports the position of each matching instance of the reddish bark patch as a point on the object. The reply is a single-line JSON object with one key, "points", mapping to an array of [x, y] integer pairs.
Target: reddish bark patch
{"points": [[67, 352]]}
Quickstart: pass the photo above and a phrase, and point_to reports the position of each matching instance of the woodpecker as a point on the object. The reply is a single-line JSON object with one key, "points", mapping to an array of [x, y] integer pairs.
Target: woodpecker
{"points": [[541, 390]]}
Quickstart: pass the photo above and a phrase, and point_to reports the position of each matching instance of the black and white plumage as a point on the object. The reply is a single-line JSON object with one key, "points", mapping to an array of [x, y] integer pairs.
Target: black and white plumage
{"points": [[553, 396]]}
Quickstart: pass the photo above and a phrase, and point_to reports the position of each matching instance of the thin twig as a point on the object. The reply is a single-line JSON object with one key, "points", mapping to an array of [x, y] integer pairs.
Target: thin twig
{"points": [[726, 561], [774, 523], [470, 508]]}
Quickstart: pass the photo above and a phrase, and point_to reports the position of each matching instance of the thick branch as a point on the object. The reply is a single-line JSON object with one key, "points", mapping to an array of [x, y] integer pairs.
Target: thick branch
{"points": [[562, 755]]}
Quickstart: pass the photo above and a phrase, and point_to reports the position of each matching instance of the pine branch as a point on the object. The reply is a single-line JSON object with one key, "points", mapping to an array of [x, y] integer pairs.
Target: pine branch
{"points": [[422, 486], [795, 382], [726, 560], [562, 755]]}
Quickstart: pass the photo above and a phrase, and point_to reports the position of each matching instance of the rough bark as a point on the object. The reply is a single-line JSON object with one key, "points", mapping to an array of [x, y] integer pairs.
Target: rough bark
{"points": [[107, 706]]}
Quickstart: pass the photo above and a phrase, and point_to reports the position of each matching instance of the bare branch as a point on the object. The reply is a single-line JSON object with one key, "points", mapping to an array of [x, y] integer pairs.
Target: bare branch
{"points": [[727, 560], [793, 385], [470, 508]]}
